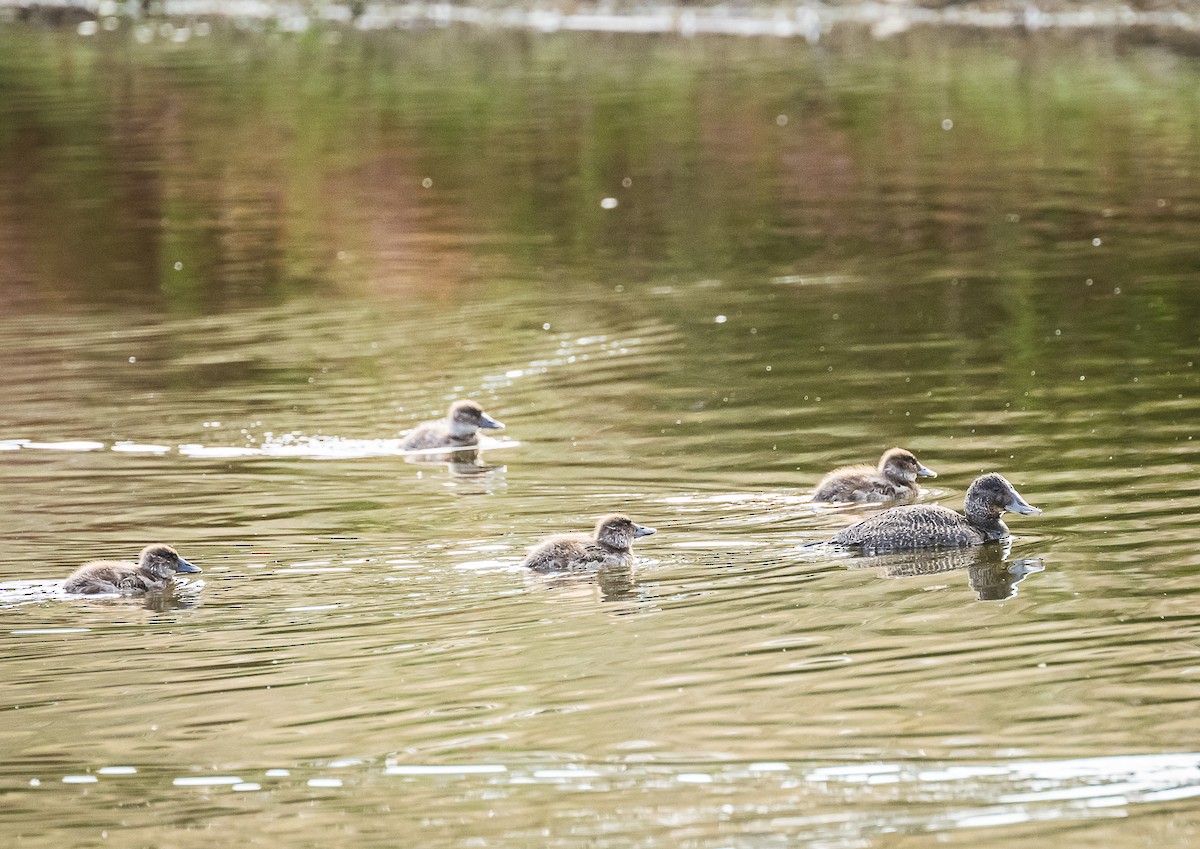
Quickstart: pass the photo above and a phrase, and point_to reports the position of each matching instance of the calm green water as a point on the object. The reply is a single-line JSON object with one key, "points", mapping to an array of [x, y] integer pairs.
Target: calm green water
{"points": [[233, 270]]}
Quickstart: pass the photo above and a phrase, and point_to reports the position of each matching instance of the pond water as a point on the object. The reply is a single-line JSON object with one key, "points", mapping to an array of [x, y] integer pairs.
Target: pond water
{"points": [[234, 268]]}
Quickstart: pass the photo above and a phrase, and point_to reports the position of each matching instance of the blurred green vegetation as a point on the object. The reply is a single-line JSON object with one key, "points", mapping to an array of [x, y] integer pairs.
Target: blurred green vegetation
{"points": [[248, 168]]}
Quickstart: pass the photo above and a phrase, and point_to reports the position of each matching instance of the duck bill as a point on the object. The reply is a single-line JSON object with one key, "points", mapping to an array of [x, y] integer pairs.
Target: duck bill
{"points": [[187, 568], [925, 472], [642, 531], [491, 424], [1017, 504]]}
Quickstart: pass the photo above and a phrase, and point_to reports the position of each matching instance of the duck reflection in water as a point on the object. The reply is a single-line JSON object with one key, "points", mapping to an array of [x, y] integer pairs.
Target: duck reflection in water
{"points": [[460, 463], [990, 573], [174, 597], [616, 583]]}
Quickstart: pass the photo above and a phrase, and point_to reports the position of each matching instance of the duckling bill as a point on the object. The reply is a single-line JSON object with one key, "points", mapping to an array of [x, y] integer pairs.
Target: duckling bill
{"points": [[610, 546], [894, 477], [154, 569], [459, 429], [913, 527]]}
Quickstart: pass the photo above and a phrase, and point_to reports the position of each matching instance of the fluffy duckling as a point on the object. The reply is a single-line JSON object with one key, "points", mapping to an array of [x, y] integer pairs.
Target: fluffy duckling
{"points": [[458, 430], [912, 527], [894, 477], [610, 547], [153, 571]]}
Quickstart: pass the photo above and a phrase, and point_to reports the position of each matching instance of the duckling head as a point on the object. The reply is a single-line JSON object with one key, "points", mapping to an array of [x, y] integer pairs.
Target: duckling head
{"points": [[900, 464], [619, 531], [162, 561], [466, 417], [990, 495]]}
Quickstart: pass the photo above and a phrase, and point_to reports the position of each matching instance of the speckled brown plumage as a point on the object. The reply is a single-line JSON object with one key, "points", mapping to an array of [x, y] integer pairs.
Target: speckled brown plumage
{"points": [[894, 477], [154, 569], [610, 546], [459, 429], [913, 527]]}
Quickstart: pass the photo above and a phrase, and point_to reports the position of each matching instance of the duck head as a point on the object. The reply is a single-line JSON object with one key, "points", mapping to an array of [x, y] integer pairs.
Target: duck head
{"points": [[619, 531], [466, 417], [162, 561], [899, 464], [990, 495]]}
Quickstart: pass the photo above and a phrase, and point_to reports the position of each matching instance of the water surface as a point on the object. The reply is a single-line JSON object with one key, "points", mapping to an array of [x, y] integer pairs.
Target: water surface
{"points": [[234, 269]]}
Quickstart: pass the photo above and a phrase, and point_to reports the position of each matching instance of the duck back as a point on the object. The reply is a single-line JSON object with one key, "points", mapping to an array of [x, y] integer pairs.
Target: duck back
{"points": [[110, 576], [910, 528], [860, 483], [433, 435], [574, 553]]}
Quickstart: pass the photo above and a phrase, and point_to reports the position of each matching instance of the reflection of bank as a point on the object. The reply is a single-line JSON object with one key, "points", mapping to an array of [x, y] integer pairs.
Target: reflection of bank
{"points": [[989, 571]]}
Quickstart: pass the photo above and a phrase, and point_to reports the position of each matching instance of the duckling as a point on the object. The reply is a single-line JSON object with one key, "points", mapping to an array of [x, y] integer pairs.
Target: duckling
{"points": [[610, 547], [156, 564], [912, 527], [457, 430], [894, 477]]}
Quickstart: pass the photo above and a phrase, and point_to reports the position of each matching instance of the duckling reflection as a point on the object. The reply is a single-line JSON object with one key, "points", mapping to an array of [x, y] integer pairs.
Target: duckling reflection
{"points": [[990, 573], [460, 429], [610, 546], [156, 566], [616, 583], [894, 477], [913, 527], [464, 462], [174, 597]]}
